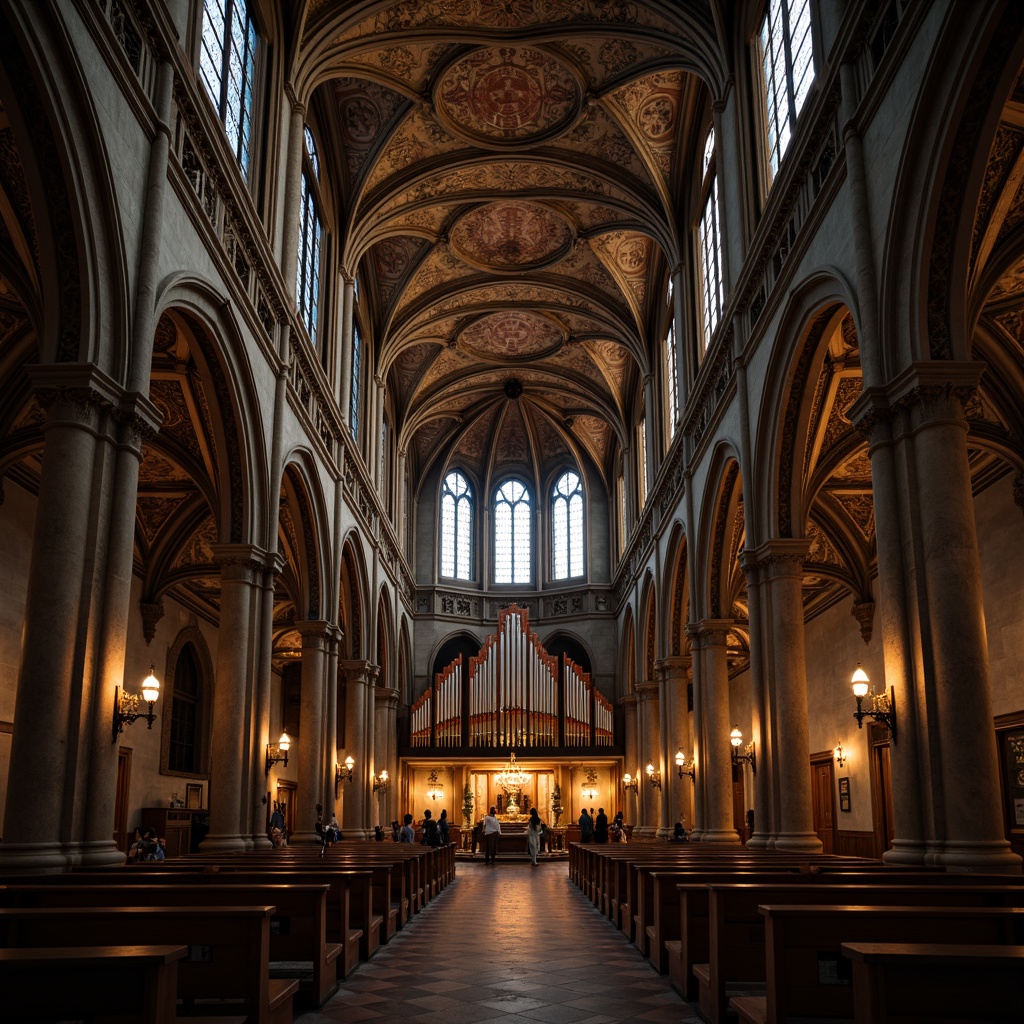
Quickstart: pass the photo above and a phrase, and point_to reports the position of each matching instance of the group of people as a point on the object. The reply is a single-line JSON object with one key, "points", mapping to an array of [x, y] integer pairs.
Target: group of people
{"points": [[536, 836], [146, 846], [597, 828], [435, 833]]}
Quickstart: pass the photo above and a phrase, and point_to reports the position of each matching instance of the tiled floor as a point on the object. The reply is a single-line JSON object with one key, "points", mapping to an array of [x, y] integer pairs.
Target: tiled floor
{"points": [[511, 944]]}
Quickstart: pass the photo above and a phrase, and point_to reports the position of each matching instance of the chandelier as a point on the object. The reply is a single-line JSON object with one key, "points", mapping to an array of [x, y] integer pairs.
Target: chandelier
{"points": [[512, 776], [435, 788]]}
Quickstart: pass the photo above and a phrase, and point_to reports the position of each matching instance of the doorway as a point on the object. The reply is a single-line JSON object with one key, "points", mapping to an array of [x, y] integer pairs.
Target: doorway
{"points": [[121, 793], [286, 802], [823, 799], [881, 788]]}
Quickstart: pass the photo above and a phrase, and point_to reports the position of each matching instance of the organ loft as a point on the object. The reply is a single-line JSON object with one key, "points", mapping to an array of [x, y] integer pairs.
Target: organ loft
{"points": [[446, 404]]}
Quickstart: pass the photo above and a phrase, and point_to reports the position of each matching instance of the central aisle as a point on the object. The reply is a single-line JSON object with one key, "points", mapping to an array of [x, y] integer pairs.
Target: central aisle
{"points": [[512, 943]]}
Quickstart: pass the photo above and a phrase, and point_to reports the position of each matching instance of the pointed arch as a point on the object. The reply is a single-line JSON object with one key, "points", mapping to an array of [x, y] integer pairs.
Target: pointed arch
{"points": [[352, 614]]}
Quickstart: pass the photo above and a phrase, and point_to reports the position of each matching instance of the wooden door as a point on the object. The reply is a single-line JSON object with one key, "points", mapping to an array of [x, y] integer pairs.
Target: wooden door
{"points": [[881, 789], [823, 799], [739, 811], [286, 801], [124, 779]]}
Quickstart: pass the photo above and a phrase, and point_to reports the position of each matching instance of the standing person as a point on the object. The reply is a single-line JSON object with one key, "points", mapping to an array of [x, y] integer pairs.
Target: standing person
{"points": [[533, 830], [406, 834], [492, 829], [601, 827], [431, 833], [444, 827], [586, 826]]}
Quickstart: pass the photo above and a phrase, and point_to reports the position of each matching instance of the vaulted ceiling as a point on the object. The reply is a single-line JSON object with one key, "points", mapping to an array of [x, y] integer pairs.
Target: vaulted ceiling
{"points": [[510, 174]]}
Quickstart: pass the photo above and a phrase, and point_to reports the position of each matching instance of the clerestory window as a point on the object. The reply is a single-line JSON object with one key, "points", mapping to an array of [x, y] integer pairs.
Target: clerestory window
{"points": [[567, 527], [227, 67], [307, 285], [512, 534], [669, 366], [710, 244], [456, 527]]}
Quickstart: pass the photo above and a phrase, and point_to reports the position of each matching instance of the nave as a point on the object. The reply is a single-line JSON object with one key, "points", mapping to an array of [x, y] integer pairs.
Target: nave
{"points": [[503, 945]]}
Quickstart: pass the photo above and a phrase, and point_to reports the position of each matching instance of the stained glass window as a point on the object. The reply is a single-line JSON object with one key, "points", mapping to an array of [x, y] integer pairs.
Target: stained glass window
{"points": [[227, 67], [787, 63], [641, 461], [671, 378], [456, 527], [620, 488], [307, 285], [512, 533], [710, 245], [357, 358], [567, 526]]}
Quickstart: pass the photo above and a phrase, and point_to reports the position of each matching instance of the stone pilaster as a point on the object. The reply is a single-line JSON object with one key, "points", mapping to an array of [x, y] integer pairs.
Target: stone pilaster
{"points": [[781, 569], [385, 750], [678, 800], [631, 804], [764, 807], [716, 758], [649, 733], [357, 792], [241, 570]]}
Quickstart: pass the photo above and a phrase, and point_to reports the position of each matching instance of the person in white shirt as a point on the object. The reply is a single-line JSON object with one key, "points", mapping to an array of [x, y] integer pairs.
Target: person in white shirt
{"points": [[492, 829]]}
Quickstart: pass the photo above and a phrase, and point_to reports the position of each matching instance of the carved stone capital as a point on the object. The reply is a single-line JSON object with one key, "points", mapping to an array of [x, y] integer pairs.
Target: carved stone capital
{"points": [[386, 697], [241, 562], [781, 557], [315, 633], [714, 632], [647, 689], [152, 613], [864, 613], [355, 670]]}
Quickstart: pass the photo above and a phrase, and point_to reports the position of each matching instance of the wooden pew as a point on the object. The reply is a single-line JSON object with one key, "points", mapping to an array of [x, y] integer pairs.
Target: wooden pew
{"points": [[298, 929], [807, 975], [926, 982], [228, 967], [693, 946], [137, 983]]}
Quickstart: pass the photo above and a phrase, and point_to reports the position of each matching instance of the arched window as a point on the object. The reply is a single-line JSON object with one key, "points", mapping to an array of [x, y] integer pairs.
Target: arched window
{"points": [[307, 284], [787, 64], [184, 741], [227, 67], [567, 527], [357, 359], [669, 363], [710, 244], [512, 533], [456, 527], [641, 462]]}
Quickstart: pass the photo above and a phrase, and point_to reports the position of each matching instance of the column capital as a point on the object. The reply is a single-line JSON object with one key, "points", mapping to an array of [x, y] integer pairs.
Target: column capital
{"points": [[782, 556], [245, 562], [647, 689], [386, 696], [713, 632], [315, 633], [358, 670], [675, 668], [629, 702]]}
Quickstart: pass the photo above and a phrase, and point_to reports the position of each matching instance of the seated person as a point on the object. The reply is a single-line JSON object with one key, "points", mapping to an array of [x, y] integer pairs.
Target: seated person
{"points": [[679, 833]]}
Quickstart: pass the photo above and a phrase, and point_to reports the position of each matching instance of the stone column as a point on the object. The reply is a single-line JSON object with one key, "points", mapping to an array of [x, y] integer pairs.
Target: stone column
{"points": [[45, 736], [370, 746], [650, 750], [681, 337], [652, 456], [331, 760], [697, 730], [385, 751], [764, 816], [716, 760], [291, 210], [112, 580], [678, 791], [309, 755], [969, 833], [356, 791], [781, 566], [631, 810], [241, 570]]}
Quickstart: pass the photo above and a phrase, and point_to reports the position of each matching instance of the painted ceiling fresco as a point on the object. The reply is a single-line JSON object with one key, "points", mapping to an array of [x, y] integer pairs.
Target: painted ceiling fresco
{"points": [[508, 170]]}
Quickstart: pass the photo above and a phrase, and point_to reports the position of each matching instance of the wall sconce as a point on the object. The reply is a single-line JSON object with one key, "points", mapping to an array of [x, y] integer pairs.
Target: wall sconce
{"points": [[681, 766], [278, 753], [126, 705], [381, 782], [435, 788], [883, 705], [343, 774], [840, 756], [736, 739], [631, 782], [653, 776], [590, 789]]}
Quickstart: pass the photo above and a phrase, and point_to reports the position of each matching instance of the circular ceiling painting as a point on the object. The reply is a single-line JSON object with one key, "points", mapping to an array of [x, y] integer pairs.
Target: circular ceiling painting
{"points": [[511, 237], [511, 337], [507, 96]]}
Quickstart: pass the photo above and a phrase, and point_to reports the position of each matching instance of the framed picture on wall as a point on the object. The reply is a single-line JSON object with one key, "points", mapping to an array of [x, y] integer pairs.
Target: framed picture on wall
{"points": [[844, 793], [194, 796]]}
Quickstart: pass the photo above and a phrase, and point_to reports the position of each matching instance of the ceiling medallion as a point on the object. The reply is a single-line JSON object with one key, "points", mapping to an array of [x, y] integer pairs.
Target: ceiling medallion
{"points": [[511, 237], [511, 337], [508, 96], [513, 388]]}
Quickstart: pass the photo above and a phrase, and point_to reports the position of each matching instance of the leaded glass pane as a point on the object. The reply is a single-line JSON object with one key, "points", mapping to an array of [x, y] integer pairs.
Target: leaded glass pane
{"points": [[464, 526], [802, 50], [353, 405], [576, 534], [671, 380], [710, 254], [641, 459], [512, 538], [560, 537], [521, 542], [503, 543], [456, 527], [448, 535]]}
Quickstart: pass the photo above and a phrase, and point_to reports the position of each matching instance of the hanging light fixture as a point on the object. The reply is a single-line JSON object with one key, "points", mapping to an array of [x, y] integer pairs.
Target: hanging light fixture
{"points": [[883, 705], [736, 739], [682, 768], [512, 776], [435, 788]]}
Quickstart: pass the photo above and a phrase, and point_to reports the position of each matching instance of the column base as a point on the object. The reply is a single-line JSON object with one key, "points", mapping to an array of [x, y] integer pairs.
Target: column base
{"points": [[798, 842], [909, 852], [99, 854], [260, 842], [222, 844], [647, 831], [758, 841], [695, 835], [720, 837], [665, 833], [993, 856], [33, 858]]}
